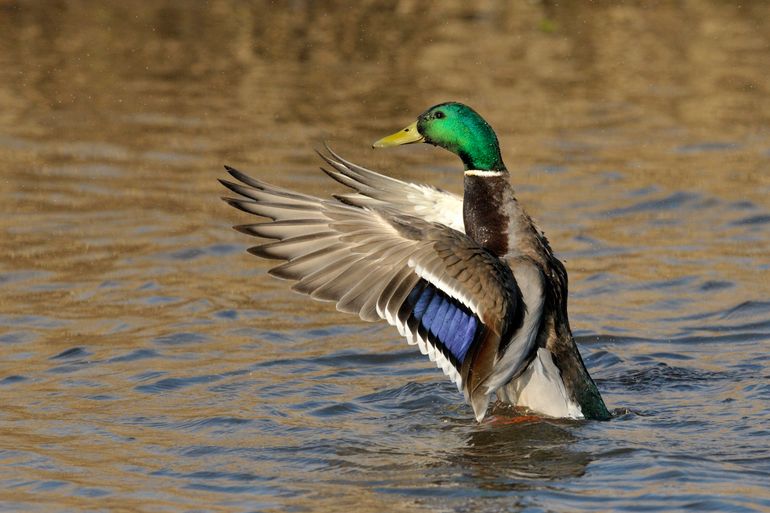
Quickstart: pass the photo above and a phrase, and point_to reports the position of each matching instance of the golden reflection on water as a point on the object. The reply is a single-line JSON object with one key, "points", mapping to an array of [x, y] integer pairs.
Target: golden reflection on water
{"points": [[116, 120]]}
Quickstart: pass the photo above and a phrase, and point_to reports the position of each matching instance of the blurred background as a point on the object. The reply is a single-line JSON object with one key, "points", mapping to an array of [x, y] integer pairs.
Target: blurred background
{"points": [[147, 363]]}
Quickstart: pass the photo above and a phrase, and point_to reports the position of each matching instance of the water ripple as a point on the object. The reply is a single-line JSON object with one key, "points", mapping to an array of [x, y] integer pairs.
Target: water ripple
{"points": [[147, 363]]}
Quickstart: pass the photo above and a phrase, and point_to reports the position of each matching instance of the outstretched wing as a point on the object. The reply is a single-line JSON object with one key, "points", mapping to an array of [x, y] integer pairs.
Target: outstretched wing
{"points": [[379, 191], [442, 291]]}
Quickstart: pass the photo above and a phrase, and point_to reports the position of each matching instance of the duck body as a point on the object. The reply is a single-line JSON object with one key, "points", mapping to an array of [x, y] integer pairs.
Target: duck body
{"points": [[554, 381], [471, 281]]}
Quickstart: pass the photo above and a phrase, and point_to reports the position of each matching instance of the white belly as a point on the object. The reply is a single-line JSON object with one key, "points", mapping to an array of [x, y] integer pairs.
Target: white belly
{"points": [[541, 389]]}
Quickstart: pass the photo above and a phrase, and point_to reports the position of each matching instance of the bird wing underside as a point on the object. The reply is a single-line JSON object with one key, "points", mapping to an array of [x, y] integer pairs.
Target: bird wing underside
{"points": [[440, 289], [379, 191]]}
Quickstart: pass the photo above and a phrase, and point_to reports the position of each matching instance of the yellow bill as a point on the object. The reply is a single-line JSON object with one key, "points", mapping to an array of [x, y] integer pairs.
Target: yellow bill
{"points": [[406, 135]]}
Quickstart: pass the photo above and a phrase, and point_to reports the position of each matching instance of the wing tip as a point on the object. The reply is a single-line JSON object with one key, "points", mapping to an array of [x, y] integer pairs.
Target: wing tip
{"points": [[238, 203], [263, 251], [254, 230], [235, 173], [244, 178], [232, 186]]}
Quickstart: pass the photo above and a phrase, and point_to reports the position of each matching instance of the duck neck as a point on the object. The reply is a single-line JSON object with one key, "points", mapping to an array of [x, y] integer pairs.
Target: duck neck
{"points": [[487, 193], [482, 155]]}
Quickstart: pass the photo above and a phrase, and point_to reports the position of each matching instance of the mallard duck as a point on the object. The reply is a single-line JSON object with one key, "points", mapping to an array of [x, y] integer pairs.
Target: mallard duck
{"points": [[471, 281]]}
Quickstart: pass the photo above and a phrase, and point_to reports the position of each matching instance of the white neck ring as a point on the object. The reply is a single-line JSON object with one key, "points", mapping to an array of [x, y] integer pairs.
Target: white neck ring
{"points": [[484, 173]]}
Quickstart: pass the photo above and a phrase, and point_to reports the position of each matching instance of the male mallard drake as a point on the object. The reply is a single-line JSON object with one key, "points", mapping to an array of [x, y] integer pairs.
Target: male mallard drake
{"points": [[472, 281]]}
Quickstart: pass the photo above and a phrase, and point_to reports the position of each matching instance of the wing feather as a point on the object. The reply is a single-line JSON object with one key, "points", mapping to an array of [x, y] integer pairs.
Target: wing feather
{"points": [[374, 190], [432, 282]]}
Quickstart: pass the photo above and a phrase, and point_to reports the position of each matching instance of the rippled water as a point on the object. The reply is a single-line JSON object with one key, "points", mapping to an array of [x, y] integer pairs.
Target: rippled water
{"points": [[147, 363]]}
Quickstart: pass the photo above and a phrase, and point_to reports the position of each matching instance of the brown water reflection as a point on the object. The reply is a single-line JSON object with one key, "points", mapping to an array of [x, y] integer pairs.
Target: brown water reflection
{"points": [[146, 362]]}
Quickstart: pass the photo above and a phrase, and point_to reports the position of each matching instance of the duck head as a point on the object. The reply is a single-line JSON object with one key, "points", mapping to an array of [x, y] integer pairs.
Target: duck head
{"points": [[457, 128]]}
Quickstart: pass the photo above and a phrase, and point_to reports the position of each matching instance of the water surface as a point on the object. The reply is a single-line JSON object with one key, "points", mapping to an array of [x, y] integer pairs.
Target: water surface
{"points": [[147, 363]]}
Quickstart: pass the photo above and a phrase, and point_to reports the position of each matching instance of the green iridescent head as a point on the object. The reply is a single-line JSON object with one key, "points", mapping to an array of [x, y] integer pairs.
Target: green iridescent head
{"points": [[457, 128]]}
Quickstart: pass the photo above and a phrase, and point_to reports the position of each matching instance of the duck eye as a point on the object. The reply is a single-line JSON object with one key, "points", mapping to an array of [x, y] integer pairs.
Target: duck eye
{"points": [[438, 115]]}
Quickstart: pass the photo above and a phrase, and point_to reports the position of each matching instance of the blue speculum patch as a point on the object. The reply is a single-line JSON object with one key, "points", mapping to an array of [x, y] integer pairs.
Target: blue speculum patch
{"points": [[441, 320]]}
